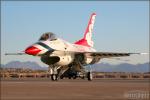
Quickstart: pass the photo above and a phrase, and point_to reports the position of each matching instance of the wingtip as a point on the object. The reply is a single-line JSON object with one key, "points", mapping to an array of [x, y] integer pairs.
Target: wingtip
{"points": [[144, 53], [14, 54], [141, 53]]}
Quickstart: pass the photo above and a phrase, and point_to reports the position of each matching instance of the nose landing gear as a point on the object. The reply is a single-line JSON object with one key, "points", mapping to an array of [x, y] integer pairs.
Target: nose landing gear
{"points": [[54, 77], [56, 72], [53, 72]]}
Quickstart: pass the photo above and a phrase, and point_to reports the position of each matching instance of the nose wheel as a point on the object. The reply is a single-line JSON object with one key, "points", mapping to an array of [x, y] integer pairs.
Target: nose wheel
{"points": [[54, 77]]}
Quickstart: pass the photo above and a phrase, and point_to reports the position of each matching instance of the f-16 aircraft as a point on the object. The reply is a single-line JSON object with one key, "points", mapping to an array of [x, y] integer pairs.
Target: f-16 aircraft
{"points": [[68, 59]]}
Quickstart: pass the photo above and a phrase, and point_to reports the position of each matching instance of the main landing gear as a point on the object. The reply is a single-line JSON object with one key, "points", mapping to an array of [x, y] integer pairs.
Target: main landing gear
{"points": [[89, 76]]}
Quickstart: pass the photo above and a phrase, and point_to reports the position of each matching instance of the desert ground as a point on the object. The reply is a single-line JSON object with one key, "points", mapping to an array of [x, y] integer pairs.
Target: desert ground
{"points": [[98, 89]]}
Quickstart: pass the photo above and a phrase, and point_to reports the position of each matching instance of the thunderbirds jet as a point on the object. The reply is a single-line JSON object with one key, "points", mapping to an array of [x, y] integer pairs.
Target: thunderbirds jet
{"points": [[68, 59]]}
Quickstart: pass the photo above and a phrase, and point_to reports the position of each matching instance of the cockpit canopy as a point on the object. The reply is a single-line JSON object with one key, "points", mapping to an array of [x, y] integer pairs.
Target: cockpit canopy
{"points": [[48, 36]]}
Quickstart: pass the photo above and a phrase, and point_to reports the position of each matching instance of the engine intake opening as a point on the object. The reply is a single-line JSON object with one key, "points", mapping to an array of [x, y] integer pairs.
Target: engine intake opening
{"points": [[50, 60]]}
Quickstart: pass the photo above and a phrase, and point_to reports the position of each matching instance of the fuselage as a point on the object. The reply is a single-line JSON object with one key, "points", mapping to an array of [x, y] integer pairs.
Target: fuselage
{"points": [[41, 47], [59, 52]]}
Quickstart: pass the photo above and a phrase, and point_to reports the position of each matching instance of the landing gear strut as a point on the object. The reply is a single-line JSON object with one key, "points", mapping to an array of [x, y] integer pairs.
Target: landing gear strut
{"points": [[53, 72]]}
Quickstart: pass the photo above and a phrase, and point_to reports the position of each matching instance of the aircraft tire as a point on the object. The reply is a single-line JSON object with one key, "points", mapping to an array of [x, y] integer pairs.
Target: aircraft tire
{"points": [[69, 77], [89, 76], [54, 77], [61, 77]]}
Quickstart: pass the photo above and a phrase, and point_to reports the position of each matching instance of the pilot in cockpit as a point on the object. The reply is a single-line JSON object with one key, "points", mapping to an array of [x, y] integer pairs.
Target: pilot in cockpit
{"points": [[48, 36]]}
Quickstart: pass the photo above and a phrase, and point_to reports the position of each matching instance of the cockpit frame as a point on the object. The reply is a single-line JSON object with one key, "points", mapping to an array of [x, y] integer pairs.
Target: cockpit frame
{"points": [[48, 36]]}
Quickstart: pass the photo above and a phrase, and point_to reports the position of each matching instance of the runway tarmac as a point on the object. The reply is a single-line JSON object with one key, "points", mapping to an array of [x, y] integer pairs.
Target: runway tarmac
{"points": [[98, 89]]}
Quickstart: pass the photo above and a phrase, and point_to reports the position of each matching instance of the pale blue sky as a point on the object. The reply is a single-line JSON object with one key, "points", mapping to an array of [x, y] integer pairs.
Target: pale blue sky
{"points": [[121, 26]]}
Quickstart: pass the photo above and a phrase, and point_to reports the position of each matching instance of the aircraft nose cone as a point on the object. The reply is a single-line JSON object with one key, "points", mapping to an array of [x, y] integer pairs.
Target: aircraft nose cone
{"points": [[32, 50]]}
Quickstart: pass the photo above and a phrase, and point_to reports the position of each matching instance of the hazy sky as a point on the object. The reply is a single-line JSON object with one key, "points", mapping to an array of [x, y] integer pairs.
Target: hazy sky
{"points": [[121, 26]]}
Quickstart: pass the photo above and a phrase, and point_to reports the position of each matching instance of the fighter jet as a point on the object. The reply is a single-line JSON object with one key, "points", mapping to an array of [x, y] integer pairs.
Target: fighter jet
{"points": [[68, 60]]}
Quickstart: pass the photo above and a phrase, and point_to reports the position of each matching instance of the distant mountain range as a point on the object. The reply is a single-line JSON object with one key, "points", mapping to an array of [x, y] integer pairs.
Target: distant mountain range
{"points": [[28, 64], [124, 67], [103, 67]]}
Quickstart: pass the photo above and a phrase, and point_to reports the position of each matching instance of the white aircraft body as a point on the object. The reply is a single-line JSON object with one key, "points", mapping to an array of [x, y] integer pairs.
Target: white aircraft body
{"points": [[68, 59]]}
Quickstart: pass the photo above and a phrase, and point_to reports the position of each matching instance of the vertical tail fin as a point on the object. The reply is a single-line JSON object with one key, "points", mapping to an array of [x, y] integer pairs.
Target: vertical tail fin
{"points": [[87, 39]]}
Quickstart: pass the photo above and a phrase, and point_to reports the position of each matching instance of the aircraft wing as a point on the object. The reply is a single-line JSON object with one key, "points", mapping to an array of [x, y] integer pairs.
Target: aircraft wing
{"points": [[90, 54], [109, 54], [15, 53], [97, 54]]}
